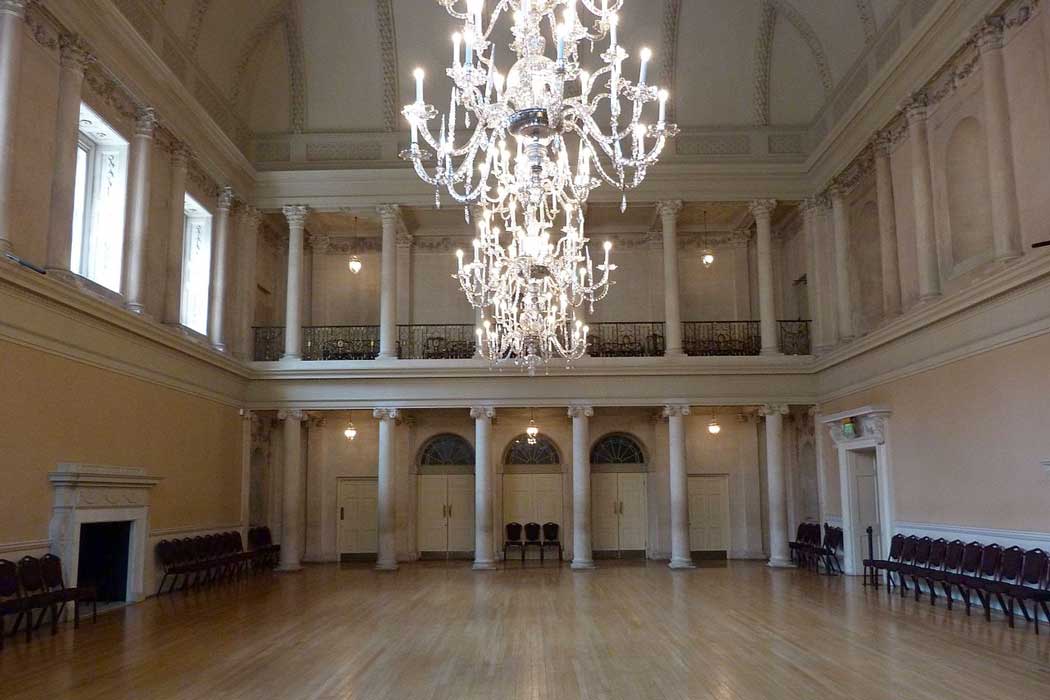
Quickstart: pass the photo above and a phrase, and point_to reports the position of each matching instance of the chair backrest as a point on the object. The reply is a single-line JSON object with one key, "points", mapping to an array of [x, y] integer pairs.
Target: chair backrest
{"points": [[30, 576], [922, 551], [800, 532], [1034, 569], [814, 534], [532, 532], [1010, 566], [896, 545], [911, 543], [265, 537], [973, 552], [238, 543], [51, 570], [953, 555], [513, 532], [991, 555], [938, 550], [8, 579], [550, 532]]}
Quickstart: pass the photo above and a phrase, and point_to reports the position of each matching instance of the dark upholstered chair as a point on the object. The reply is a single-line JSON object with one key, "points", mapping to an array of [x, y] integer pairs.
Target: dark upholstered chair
{"points": [[512, 538], [533, 532], [51, 569], [35, 594], [1035, 580], [552, 538]]}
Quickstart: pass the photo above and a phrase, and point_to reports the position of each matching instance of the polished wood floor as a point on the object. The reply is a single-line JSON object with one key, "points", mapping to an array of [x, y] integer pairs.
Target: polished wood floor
{"points": [[634, 631]]}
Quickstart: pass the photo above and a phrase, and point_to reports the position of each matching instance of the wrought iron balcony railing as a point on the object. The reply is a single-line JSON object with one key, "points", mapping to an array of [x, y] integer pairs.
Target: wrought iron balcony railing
{"points": [[456, 341]]}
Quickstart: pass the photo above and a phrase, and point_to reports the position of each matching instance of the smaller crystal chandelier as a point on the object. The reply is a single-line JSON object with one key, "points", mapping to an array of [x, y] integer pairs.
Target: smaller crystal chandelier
{"points": [[355, 264], [713, 427], [532, 431], [351, 431]]}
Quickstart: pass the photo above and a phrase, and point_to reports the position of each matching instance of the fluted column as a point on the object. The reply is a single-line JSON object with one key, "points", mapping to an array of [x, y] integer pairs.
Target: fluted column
{"points": [[391, 217], [73, 59], [810, 215], [925, 236], [293, 309], [681, 557], [672, 301], [220, 236], [891, 278], [180, 156], [292, 514], [582, 555], [483, 546], [762, 210], [386, 559], [777, 496], [137, 226], [12, 14], [843, 304], [1002, 185], [248, 245]]}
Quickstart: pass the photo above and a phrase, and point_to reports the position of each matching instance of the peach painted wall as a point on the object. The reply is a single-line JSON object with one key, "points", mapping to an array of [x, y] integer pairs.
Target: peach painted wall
{"points": [[967, 440], [60, 410]]}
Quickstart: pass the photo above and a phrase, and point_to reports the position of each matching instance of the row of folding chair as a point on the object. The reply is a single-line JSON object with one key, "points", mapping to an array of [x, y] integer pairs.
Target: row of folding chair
{"points": [[809, 551], [1012, 576], [37, 584], [215, 557]]}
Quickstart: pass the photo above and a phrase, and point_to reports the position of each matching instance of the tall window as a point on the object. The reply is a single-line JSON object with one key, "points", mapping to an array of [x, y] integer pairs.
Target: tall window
{"points": [[196, 266], [98, 209]]}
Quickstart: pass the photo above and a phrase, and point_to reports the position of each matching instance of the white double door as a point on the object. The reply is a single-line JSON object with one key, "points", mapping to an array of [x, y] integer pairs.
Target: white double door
{"points": [[358, 526], [532, 498], [446, 513], [618, 510], [709, 513]]}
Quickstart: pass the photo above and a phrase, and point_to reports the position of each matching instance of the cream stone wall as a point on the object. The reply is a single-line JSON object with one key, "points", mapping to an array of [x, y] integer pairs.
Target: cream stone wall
{"points": [[59, 410]]}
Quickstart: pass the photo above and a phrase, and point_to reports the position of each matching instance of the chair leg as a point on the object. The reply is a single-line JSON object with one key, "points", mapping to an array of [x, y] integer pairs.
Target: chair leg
{"points": [[1008, 609], [1024, 609], [947, 594], [966, 597]]}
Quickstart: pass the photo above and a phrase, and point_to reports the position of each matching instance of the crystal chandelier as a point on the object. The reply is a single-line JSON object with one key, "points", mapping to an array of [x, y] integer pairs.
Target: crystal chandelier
{"points": [[531, 266]]}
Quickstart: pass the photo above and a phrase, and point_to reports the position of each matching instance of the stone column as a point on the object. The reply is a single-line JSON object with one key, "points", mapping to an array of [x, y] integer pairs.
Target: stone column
{"points": [[483, 545], [391, 217], [1002, 186], [810, 215], [386, 560], [73, 59], [777, 494], [292, 519], [137, 226], [12, 14], [672, 311], [925, 236], [762, 210], [844, 307], [246, 267], [293, 310], [220, 236], [582, 556], [891, 278], [681, 557], [180, 156]]}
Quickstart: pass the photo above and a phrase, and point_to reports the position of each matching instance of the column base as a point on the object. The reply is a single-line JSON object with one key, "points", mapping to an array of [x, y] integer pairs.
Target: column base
{"points": [[679, 563], [767, 352], [488, 565], [386, 566], [582, 565], [386, 356], [929, 298], [289, 568], [778, 563], [219, 347], [135, 307], [291, 358], [675, 354]]}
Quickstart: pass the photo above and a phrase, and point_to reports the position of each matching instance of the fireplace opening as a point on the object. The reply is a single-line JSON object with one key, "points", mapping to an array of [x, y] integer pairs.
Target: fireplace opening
{"points": [[103, 559]]}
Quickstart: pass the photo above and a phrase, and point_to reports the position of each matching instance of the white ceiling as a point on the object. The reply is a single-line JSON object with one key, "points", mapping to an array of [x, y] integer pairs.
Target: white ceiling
{"points": [[320, 65]]}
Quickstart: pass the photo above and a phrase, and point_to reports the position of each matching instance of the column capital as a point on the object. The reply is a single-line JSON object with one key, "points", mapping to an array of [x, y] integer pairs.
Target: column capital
{"points": [[250, 216], [988, 35], [181, 154], [320, 242], [225, 198], [389, 214], [762, 207], [291, 414], [811, 206], [482, 412], [295, 214], [316, 421], [669, 209], [72, 53], [403, 238], [145, 121], [882, 143], [676, 410], [580, 411], [837, 192], [386, 413], [916, 107], [13, 7], [770, 409]]}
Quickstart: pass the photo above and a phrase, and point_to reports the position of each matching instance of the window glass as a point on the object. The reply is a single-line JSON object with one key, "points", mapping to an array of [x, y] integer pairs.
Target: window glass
{"points": [[196, 266]]}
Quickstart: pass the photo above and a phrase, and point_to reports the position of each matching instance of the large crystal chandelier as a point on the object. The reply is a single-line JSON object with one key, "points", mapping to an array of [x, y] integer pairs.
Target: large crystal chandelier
{"points": [[531, 267]]}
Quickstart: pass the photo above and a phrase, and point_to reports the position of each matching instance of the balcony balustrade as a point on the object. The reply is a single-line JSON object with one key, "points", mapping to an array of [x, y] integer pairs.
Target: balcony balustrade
{"points": [[456, 341]]}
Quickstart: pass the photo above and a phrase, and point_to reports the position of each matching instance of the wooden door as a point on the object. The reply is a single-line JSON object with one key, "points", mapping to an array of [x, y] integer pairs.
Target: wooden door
{"points": [[605, 518], [632, 525], [865, 505], [517, 499], [432, 525], [709, 513], [357, 516], [460, 502], [546, 490]]}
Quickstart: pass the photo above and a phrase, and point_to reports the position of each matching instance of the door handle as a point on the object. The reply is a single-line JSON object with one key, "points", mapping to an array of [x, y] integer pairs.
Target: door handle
{"points": [[340, 512], [450, 510]]}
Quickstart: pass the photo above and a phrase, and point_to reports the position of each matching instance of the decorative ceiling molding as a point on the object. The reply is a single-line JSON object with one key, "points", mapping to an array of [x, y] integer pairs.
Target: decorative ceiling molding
{"points": [[804, 28], [388, 61], [867, 20], [296, 64], [241, 78], [669, 37], [196, 23], [763, 62]]}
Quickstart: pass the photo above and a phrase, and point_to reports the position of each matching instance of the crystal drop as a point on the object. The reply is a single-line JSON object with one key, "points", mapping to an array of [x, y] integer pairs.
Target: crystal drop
{"points": [[623, 204], [437, 199], [466, 215]]}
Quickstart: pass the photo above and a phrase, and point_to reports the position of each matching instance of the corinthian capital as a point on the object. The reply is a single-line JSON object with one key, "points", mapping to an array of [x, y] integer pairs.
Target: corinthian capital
{"points": [[145, 121], [916, 107], [989, 34], [296, 214], [483, 412], [581, 411], [225, 198], [291, 414], [386, 413], [674, 410], [389, 214], [669, 209], [762, 208], [770, 409], [72, 53]]}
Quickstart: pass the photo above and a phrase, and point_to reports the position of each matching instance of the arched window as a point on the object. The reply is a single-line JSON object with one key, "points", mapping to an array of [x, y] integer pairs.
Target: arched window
{"points": [[617, 448], [541, 451], [446, 450]]}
